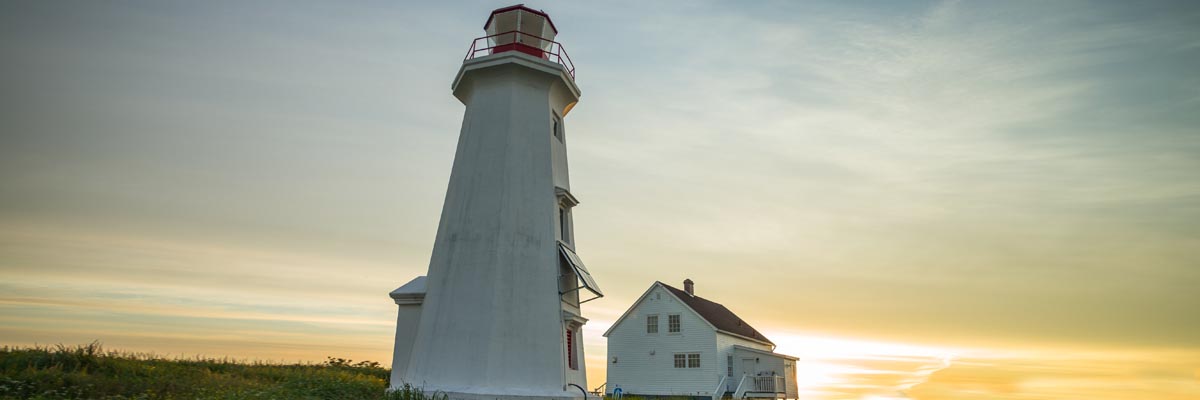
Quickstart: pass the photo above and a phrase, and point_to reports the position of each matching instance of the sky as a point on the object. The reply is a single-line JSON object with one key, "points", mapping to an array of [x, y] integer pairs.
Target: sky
{"points": [[930, 200]]}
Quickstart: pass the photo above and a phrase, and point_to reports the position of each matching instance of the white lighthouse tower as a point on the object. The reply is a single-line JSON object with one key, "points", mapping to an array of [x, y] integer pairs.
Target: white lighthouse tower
{"points": [[498, 314]]}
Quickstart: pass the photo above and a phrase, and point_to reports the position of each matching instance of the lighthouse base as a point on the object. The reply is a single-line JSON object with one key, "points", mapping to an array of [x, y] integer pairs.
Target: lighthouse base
{"points": [[513, 394]]}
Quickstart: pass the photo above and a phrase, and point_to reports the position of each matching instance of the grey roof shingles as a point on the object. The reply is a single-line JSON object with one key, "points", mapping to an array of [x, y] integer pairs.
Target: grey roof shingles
{"points": [[717, 315]]}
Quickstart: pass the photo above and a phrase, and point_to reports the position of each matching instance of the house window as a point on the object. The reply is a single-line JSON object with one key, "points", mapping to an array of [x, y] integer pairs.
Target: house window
{"points": [[687, 360], [571, 362], [651, 324], [728, 365], [673, 323]]}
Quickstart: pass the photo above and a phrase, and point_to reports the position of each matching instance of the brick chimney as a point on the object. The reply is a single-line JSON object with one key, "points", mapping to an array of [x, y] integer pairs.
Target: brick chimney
{"points": [[689, 287]]}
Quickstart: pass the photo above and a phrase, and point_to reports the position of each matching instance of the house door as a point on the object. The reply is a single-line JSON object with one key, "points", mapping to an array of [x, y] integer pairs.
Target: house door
{"points": [[748, 365]]}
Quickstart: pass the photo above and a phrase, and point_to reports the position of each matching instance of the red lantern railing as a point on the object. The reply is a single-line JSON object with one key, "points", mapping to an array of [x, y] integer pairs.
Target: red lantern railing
{"points": [[555, 52]]}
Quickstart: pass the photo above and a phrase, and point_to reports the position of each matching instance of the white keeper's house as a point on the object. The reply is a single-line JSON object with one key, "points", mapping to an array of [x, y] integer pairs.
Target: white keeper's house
{"points": [[674, 343]]}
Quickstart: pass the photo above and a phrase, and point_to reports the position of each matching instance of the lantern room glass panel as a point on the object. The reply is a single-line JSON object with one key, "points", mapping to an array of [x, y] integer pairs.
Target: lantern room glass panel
{"points": [[520, 29]]}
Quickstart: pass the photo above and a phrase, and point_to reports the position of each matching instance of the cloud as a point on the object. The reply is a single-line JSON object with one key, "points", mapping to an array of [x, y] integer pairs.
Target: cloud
{"points": [[962, 171], [930, 155]]}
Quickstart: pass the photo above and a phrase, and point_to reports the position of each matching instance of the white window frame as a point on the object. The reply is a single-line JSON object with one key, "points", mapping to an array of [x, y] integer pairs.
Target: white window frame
{"points": [[654, 325], [572, 349], [556, 127], [564, 223], [674, 323], [686, 360]]}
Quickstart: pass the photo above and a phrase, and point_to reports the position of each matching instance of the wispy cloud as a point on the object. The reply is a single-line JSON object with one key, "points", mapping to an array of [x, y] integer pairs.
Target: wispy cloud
{"points": [[184, 176]]}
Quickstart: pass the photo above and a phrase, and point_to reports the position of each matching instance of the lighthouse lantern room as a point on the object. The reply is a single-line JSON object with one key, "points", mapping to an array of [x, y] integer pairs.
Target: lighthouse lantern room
{"points": [[522, 29], [519, 28], [498, 315]]}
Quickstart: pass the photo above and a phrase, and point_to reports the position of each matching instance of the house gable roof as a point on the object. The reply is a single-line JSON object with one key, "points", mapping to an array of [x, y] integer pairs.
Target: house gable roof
{"points": [[630, 309], [715, 314]]}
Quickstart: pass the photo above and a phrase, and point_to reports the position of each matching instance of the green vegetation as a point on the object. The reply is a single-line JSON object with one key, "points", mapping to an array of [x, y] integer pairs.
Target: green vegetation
{"points": [[90, 372]]}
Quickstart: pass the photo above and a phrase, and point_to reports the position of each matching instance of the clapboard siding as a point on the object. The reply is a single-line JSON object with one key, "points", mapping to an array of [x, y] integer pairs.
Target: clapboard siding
{"points": [[644, 362], [725, 345]]}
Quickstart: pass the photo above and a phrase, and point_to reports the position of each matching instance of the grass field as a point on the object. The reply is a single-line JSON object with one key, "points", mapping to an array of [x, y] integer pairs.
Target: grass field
{"points": [[90, 372]]}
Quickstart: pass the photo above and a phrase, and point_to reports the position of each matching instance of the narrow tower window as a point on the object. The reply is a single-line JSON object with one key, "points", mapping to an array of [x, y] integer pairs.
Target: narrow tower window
{"points": [[557, 128], [564, 224], [571, 362]]}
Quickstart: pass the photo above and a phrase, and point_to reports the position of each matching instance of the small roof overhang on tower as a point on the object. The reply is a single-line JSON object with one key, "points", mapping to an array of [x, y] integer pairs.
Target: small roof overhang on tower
{"points": [[585, 277], [564, 196], [412, 292]]}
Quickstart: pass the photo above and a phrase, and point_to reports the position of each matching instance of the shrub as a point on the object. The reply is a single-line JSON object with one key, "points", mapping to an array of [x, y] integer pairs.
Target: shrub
{"points": [[90, 372]]}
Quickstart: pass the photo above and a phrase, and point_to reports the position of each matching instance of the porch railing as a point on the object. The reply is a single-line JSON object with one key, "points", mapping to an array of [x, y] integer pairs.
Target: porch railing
{"points": [[523, 42], [599, 390], [720, 390], [767, 384], [760, 384], [740, 392]]}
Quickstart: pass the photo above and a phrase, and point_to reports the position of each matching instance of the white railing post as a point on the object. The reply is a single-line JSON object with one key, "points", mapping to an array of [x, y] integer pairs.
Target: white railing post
{"points": [[767, 384], [760, 384], [599, 390], [739, 393], [720, 390]]}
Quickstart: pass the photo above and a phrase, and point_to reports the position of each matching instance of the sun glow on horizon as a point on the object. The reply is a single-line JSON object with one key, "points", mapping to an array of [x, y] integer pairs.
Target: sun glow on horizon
{"points": [[831, 366], [920, 200]]}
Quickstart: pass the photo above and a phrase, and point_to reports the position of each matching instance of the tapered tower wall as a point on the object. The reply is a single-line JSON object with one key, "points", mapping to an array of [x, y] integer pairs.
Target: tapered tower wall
{"points": [[491, 324]]}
